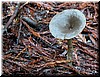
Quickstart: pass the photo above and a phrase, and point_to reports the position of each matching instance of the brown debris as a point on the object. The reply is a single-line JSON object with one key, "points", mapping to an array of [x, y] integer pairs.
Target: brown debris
{"points": [[34, 51]]}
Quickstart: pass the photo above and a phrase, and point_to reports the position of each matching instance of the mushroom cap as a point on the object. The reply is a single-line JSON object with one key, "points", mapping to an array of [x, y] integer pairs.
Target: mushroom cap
{"points": [[67, 24]]}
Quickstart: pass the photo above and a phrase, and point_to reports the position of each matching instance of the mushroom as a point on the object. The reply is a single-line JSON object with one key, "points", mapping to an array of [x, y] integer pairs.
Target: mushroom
{"points": [[67, 25]]}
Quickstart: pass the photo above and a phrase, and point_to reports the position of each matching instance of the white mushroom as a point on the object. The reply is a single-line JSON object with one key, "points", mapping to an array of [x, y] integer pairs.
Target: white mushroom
{"points": [[67, 24]]}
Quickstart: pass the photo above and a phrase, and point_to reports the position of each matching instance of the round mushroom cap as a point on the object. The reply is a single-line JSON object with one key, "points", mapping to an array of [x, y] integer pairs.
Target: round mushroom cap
{"points": [[67, 24]]}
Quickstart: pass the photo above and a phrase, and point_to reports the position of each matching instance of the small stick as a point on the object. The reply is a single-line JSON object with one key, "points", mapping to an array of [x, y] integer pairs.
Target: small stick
{"points": [[13, 16], [19, 65], [87, 52], [6, 16], [18, 7], [19, 32], [33, 32], [23, 5], [87, 45], [75, 70], [20, 53]]}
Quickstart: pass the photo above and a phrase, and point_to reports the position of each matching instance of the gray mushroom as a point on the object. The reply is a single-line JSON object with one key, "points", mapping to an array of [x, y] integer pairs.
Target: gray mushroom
{"points": [[66, 25]]}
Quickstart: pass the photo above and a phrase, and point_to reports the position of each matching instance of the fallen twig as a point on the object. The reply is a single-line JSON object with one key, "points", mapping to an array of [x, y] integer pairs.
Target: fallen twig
{"points": [[24, 5], [88, 53], [75, 70], [35, 33], [30, 29], [19, 65], [15, 13], [7, 16], [87, 45], [31, 22], [13, 16], [38, 49], [20, 53], [38, 35], [19, 32], [52, 64]]}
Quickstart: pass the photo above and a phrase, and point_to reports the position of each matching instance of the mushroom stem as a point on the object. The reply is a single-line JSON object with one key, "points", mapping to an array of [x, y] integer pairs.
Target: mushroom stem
{"points": [[70, 50]]}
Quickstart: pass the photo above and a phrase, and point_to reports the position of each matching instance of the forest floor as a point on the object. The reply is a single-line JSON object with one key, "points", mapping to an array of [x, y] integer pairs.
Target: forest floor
{"points": [[30, 49]]}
